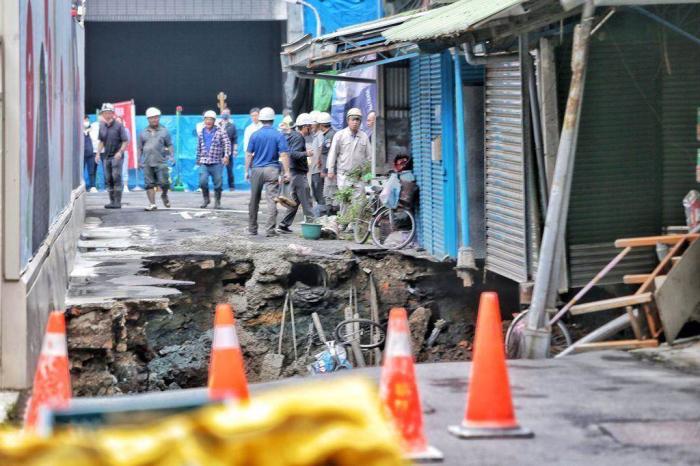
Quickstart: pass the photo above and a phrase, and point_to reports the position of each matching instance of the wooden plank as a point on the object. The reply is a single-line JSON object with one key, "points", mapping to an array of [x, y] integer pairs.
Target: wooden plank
{"points": [[613, 303], [635, 279], [679, 295], [617, 344], [675, 260], [653, 240]]}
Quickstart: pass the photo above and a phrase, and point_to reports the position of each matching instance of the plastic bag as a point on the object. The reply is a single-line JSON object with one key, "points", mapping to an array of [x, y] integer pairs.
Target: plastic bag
{"points": [[391, 192], [691, 205]]}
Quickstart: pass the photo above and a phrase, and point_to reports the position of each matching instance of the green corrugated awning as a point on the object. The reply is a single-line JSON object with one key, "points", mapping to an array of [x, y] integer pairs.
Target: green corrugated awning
{"points": [[451, 20]]}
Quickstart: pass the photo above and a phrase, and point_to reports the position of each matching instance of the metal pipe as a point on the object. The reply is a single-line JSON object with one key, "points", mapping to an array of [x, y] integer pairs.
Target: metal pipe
{"points": [[537, 131], [611, 328], [470, 57], [668, 24], [461, 154], [537, 335]]}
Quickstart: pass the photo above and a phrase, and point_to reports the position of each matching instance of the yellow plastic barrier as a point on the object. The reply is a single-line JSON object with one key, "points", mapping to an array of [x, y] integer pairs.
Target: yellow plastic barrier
{"points": [[340, 423]]}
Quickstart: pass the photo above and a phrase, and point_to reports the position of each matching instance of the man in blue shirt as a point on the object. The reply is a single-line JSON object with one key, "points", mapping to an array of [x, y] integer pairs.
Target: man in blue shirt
{"points": [[266, 148]]}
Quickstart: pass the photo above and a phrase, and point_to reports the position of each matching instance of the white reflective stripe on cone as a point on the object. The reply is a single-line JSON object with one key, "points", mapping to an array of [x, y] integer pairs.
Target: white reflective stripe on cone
{"points": [[225, 337], [397, 344], [54, 345]]}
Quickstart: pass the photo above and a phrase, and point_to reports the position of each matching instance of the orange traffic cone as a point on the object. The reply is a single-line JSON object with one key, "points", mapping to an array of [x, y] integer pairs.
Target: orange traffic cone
{"points": [[399, 391], [489, 411], [226, 372], [52, 378]]}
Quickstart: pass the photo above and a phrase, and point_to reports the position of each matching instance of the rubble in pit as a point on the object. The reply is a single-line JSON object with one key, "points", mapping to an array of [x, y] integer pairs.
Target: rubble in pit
{"points": [[164, 344]]}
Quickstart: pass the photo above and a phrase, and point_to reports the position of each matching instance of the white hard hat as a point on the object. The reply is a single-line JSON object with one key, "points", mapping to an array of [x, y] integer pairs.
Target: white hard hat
{"points": [[324, 118], [314, 116], [151, 112], [266, 114], [304, 119], [210, 114], [356, 112], [107, 107]]}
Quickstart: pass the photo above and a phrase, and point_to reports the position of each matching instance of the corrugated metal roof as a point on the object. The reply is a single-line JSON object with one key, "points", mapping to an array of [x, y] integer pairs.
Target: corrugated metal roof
{"points": [[449, 20]]}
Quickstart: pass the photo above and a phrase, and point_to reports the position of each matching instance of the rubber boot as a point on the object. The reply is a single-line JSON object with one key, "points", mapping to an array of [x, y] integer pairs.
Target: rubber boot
{"points": [[164, 198], [205, 198], [217, 199], [117, 200], [111, 201]]}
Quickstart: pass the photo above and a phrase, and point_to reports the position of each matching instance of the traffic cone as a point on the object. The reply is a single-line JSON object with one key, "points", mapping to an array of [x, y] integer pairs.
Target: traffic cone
{"points": [[52, 378], [399, 391], [489, 412], [226, 372]]}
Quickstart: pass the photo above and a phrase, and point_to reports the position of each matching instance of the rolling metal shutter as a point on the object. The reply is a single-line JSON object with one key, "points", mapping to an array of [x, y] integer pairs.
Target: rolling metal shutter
{"points": [[680, 100], [616, 189], [425, 97], [506, 206]]}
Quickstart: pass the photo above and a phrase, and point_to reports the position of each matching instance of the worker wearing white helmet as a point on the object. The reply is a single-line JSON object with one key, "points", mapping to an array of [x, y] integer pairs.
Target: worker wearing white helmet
{"points": [[113, 139], [349, 150], [299, 153], [213, 152], [155, 148], [321, 145], [265, 150]]}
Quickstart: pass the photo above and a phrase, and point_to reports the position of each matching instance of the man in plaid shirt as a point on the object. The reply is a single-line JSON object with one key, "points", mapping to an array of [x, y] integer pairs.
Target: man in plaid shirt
{"points": [[213, 152]]}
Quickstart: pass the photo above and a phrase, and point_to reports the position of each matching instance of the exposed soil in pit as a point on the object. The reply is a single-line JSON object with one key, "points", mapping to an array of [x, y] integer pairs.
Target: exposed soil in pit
{"points": [[161, 344]]}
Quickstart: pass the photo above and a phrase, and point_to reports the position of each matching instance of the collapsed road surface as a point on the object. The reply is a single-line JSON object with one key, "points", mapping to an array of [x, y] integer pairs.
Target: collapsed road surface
{"points": [[145, 284]]}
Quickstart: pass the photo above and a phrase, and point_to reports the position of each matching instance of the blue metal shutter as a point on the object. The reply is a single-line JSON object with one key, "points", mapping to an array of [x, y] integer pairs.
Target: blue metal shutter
{"points": [[506, 214], [425, 96]]}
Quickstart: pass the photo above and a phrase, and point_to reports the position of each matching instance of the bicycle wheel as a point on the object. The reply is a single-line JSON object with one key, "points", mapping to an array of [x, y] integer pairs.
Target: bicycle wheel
{"points": [[360, 330], [393, 228], [560, 339]]}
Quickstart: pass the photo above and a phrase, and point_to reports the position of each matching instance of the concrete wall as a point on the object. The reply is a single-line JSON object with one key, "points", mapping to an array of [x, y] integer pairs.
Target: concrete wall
{"points": [[42, 191]]}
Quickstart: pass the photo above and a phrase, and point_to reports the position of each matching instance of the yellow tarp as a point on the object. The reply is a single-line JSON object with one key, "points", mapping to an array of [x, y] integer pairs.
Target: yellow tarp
{"points": [[338, 423]]}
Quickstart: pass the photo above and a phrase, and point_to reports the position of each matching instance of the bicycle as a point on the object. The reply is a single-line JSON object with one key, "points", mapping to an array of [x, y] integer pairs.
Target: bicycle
{"points": [[370, 204], [334, 357], [390, 228]]}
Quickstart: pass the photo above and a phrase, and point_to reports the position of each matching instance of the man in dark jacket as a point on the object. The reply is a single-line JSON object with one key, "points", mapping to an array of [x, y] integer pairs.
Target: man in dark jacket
{"points": [[89, 156], [227, 125], [299, 169]]}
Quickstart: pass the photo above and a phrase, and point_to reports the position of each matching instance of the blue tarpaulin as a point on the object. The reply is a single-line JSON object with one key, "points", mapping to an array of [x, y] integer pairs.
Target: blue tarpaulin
{"points": [[186, 146], [336, 14]]}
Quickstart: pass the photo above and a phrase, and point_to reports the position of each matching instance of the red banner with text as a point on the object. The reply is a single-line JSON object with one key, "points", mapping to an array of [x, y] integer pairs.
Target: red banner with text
{"points": [[127, 112]]}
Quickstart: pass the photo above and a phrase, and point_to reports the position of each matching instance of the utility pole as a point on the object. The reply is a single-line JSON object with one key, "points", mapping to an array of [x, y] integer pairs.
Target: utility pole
{"points": [[538, 331]]}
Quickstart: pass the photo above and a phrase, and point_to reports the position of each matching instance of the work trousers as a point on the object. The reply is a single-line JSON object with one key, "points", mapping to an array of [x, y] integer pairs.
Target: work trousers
{"points": [[156, 176], [317, 182], [214, 171], [113, 174], [301, 195], [91, 166], [229, 173], [268, 178]]}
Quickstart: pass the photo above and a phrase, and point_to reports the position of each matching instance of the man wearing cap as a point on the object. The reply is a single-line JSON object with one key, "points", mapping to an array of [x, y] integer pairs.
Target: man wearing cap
{"points": [[155, 147], [213, 152], [113, 141], [227, 125], [299, 152], [322, 144], [349, 150], [267, 147]]}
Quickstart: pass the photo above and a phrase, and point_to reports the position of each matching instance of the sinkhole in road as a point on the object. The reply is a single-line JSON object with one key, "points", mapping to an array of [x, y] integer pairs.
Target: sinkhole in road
{"points": [[162, 344]]}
